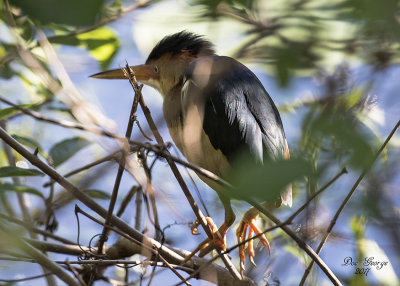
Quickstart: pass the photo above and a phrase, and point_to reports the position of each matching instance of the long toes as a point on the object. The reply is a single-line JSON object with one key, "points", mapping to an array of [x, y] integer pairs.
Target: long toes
{"points": [[261, 237], [207, 248], [250, 247], [241, 236], [200, 247]]}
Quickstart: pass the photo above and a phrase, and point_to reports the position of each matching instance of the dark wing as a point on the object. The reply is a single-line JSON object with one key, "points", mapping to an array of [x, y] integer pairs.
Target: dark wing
{"points": [[239, 115]]}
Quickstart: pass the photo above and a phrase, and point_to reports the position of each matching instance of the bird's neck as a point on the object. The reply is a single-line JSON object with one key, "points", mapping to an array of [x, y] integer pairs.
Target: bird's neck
{"points": [[172, 109]]}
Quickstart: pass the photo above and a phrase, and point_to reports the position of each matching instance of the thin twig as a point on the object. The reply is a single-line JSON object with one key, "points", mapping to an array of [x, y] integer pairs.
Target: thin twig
{"points": [[23, 200], [63, 123], [162, 151], [300, 209], [121, 168], [76, 274], [138, 215], [42, 259], [89, 202], [12, 281], [69, 249], [346, 200], [286, 222], [31, 228], [99, 24], [153, 250], [151, 194], [167, 253], [154, 148], [88, 166], [302, 244], [106, 262], [127, 199], [181, 182], [105, 21]]}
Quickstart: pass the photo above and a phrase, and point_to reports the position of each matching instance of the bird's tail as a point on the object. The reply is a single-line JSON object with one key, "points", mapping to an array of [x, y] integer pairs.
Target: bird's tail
{"points": [[286, 196]]}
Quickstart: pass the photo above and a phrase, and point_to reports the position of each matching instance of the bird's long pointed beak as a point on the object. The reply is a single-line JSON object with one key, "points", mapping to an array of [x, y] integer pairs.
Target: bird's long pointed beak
{"points": [[142, 73]]}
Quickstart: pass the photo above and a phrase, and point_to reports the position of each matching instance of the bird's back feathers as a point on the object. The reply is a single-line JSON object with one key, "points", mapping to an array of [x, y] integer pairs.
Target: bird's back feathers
{"points": [[238, 115]]}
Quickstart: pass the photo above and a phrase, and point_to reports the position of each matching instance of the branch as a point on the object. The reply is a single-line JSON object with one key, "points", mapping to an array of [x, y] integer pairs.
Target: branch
{"points": [[121, 168], [68, 249], [286, 222], [30, 227], [43, 260], [298, 240], [170, 255], [158, 149], [62, 123], [177, 174], [107, 158], [346, 200]]}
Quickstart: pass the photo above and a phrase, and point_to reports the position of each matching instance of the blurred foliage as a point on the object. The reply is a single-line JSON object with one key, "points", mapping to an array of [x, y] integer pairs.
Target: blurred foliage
{"points": [[98, 194], [30, 143], [266, 181], [334, 128], [64, 150], [305, 35], [102, 44], [16, 172], [368, 250], [19, 188], [69, 12]]}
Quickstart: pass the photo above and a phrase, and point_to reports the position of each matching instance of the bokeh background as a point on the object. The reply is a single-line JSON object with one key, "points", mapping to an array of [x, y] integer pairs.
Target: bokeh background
{"points": [[330, 66]]}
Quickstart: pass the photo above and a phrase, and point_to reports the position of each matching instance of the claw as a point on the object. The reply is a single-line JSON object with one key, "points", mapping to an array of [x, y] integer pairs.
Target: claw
{"points": [[195, 227], [250, 247], [218, 241], [249, 223]]}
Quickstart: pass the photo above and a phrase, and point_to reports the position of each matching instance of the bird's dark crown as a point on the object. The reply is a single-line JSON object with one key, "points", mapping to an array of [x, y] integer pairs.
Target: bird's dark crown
{"points": [[182, 41]]}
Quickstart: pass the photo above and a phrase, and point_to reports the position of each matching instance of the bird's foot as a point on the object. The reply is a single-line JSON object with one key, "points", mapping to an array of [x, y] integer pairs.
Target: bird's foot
{"points": [[249, 223], [218, 239]]}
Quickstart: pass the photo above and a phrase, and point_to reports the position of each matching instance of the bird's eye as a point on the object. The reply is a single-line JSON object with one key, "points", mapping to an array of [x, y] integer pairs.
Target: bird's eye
{"points": [[156, 69]]}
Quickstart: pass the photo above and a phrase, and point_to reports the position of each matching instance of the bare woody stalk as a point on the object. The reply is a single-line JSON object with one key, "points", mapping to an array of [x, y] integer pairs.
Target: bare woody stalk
{"points": [[121, 168], [177, 174], [346, 200], [172, 256], [81, 196], [158, 149], [23, 203], [286, 222]]}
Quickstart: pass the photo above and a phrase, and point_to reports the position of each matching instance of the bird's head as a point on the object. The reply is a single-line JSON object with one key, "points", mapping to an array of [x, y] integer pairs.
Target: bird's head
{"points": [[165, 67]]}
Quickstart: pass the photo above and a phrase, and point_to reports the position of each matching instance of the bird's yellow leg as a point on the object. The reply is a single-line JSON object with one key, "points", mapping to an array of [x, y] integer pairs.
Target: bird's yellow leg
{"points": [[248, 224], [219, 234], [206, 245]]}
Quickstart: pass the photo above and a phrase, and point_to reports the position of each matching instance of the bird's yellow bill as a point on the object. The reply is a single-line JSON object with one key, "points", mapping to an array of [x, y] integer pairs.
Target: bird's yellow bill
{"points": [[142, 73]]}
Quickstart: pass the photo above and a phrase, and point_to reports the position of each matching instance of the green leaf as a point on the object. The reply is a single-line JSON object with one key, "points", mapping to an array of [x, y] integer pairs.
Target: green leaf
{"points": [[65, 149], [5, 112], [70, 12], [98, 194], [18, 172], [28, 142], [268, 180], [20, 189], [340, 135], [102, 43]]}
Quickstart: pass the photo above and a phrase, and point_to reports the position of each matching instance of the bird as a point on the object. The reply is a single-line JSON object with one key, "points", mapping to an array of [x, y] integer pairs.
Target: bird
{"points": [[215, 109]]}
